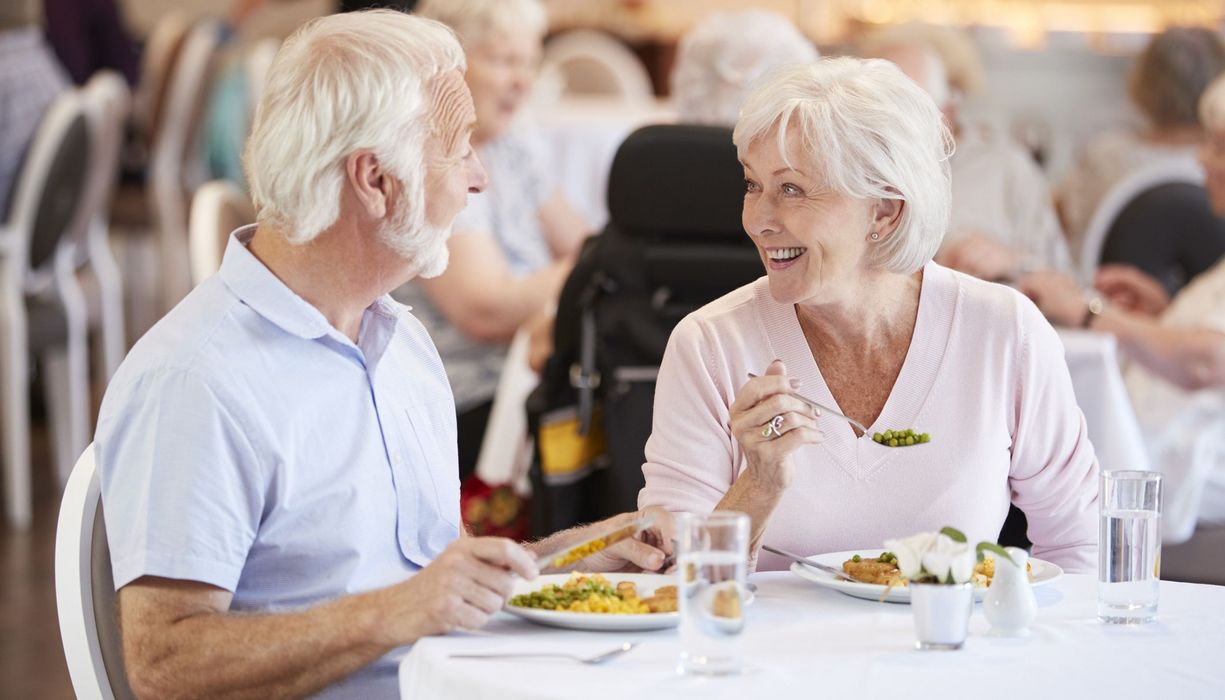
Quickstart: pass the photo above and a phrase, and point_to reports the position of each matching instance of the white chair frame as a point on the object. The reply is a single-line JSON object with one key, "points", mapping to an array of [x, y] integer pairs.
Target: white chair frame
{"points": [[1117, 199], [67, 368], [632, 81], [207, 234], [77, 603]]}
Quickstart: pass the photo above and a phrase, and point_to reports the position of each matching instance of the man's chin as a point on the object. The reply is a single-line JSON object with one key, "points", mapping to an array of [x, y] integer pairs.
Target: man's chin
{"points": [[436, 265]]}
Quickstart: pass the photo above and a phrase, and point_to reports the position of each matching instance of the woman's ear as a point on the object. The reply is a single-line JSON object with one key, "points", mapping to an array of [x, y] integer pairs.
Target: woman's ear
{"points": [[370, 183], [886, 215]]}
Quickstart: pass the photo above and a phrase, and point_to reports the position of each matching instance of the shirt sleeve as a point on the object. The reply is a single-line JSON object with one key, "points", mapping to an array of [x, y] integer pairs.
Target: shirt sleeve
{"points": [[1054, 471], [182, 491], [690, 456]]}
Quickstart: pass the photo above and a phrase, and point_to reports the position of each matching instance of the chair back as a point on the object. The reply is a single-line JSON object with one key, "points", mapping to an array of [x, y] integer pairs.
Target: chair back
{"points": [[170, 162], [594, 63], [85, 591], [218, 208], [109, 103], [48, 204], [160, 55], [258, 63], [1117, 199]]}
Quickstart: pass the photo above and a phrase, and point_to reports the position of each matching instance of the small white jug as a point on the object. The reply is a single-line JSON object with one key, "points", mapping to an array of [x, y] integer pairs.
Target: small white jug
{"points": [[1010, 606]]}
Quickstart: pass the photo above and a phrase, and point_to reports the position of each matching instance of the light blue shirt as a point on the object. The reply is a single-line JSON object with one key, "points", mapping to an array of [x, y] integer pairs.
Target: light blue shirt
{"points": [[247, 444]]}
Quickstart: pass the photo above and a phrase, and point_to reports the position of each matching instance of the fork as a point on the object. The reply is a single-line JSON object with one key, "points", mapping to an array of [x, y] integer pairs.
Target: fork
{"points": [[822, 407], [590, 660]]}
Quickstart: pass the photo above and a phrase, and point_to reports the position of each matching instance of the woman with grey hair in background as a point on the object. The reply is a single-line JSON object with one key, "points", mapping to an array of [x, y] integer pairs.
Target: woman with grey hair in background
{"points": [[1165, 86], [847, 200], [515, 243], [721, 59]]}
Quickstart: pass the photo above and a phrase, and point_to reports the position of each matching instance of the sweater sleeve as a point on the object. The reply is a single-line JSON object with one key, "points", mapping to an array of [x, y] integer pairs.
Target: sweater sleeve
{"points": [[691, 455], [1054, 471]]}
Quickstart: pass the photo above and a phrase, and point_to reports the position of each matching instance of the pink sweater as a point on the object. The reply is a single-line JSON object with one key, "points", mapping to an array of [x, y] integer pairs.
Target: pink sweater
{"points": [[985, 377]]}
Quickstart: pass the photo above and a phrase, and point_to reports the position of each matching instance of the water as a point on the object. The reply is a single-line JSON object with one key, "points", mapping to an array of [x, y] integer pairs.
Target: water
{"points": [[1129, 561], [712, 612]]}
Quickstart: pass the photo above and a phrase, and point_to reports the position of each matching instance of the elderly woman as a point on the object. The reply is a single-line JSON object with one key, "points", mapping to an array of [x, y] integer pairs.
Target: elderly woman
{"points": [[846, 198], [1165, 86], [515, 243], [719, 61], [1177, 377]]}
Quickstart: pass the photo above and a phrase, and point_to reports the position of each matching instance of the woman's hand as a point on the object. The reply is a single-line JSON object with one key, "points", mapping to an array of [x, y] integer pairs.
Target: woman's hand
{"points": [[1057, 296], [1131, 289], [766, 401]]}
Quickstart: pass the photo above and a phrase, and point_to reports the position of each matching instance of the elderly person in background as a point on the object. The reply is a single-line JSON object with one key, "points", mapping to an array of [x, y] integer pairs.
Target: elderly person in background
{"points": [[720, 60], [515, 244], [277, 454], [1177, 375], [846, 198], [30, 80], [1166, 83], [1003, 220]]}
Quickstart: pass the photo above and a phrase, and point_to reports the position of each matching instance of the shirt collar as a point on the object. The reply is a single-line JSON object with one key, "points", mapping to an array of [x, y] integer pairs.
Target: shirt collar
{"points": [[256, 286]]}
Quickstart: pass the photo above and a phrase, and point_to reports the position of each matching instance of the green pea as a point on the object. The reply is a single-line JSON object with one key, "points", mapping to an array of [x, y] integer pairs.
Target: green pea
{"points": [[893, 442], [877, 437], [909, 440], [856, 558], [925, 438]]}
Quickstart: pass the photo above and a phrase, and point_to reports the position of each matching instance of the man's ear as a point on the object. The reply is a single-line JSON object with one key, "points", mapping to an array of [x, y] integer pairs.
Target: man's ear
{"points": [[369, 182], [886, 216]]}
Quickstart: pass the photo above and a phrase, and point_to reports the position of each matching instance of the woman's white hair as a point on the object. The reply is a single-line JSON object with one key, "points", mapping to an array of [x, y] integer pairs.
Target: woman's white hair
{"points": [[722, 58], [475, 20], [871, 133], [339, 84], [1212, 105]]}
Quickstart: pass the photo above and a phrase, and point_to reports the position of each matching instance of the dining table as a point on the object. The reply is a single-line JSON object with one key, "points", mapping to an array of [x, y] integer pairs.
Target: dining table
{"points": [[1097, 380], [805, 641]]}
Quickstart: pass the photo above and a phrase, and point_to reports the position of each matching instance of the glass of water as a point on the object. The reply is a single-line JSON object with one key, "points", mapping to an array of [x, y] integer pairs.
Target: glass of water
{"points": [[712, 551], [1129, 547]]}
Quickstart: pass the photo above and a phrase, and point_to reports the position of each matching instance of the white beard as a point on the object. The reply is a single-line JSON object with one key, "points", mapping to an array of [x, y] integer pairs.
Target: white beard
{"points": [[426, 248]]}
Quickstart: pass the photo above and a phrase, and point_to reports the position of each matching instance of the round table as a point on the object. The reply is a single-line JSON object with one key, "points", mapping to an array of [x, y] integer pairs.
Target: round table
{"points": [[809, 642]]}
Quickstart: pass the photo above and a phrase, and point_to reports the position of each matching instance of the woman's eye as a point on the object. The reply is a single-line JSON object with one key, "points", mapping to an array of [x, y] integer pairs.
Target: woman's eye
{"points": [[792, 190], [750, 186]]}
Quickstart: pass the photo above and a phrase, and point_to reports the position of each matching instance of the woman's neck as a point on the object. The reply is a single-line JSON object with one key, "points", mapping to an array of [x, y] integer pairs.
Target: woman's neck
{"points": [[880, 307]]}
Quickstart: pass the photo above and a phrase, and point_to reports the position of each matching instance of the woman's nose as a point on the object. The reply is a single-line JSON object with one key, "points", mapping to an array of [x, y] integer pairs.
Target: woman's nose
{"points": [[758, 215]]}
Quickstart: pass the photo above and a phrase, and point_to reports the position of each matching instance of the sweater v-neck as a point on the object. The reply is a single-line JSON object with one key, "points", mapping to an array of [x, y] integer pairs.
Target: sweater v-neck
{"points": [[907, 402]]}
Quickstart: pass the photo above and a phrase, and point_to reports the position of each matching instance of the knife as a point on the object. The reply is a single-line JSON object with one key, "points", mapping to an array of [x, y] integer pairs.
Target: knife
{"points": [[816, 565], [577, 552]]}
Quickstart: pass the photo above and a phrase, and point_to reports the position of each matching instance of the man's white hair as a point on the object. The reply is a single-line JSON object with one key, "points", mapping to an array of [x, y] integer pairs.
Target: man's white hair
{"points": [[475, 20], [1212, 105], [340, 84], [870, 133], [722, 58]]}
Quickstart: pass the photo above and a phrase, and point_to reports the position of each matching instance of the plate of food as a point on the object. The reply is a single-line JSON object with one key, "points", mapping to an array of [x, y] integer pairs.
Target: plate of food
{"points": [[881, 580], [600, 602]]}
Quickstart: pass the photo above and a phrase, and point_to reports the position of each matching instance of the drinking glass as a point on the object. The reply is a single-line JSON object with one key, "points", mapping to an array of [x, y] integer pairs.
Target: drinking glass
{"points": [[1129, 547], [712, 554]]}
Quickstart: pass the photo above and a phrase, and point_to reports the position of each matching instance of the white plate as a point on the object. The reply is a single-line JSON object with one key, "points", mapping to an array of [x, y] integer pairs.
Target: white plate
{"points": [[599, 622], [1043, 572]]}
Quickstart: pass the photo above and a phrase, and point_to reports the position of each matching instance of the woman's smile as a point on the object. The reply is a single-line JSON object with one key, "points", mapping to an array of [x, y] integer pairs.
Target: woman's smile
{"points": [[783, 258]]}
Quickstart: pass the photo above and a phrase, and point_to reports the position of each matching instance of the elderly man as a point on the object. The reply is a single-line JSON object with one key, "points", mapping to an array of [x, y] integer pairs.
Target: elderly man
{"points": [[278, 454], [1003, 219]]}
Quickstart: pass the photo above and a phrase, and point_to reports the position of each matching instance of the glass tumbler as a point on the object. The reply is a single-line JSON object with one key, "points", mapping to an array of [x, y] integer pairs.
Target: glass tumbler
{"points": [[1129, 546], [712, 555]]}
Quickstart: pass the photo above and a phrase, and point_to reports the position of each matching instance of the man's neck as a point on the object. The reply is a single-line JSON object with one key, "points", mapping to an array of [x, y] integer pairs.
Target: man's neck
{"points": [[340, 272]]}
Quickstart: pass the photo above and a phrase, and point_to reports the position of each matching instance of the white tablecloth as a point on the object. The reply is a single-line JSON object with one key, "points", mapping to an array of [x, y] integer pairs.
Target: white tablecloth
{"points": [[581, 136], [807, 642], [1093, 360]]}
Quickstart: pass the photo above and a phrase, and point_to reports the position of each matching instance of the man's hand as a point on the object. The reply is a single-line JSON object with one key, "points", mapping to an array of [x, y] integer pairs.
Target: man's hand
{"points": [[461, 589], [1131, 289], [980, 256], [647, 552]]}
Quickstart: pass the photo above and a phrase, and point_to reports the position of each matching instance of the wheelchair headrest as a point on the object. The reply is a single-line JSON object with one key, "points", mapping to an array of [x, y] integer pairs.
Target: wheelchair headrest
{"points": [[677, 180]]}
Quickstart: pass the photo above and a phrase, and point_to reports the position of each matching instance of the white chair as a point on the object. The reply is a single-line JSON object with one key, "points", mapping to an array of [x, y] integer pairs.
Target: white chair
{"points": [[109, 105], [506, 448], [593, 63], [218, 208], [85, 591], [42, 308], [1117, 199], [170, 164]]}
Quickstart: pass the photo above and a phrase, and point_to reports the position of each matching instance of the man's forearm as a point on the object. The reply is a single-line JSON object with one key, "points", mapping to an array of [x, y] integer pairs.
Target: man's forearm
{"points": [[234, 655], [1189, 357]]}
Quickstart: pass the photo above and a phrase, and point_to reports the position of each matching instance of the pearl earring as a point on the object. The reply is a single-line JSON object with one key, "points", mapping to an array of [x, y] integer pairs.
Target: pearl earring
{"points": [[875, 236]]}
